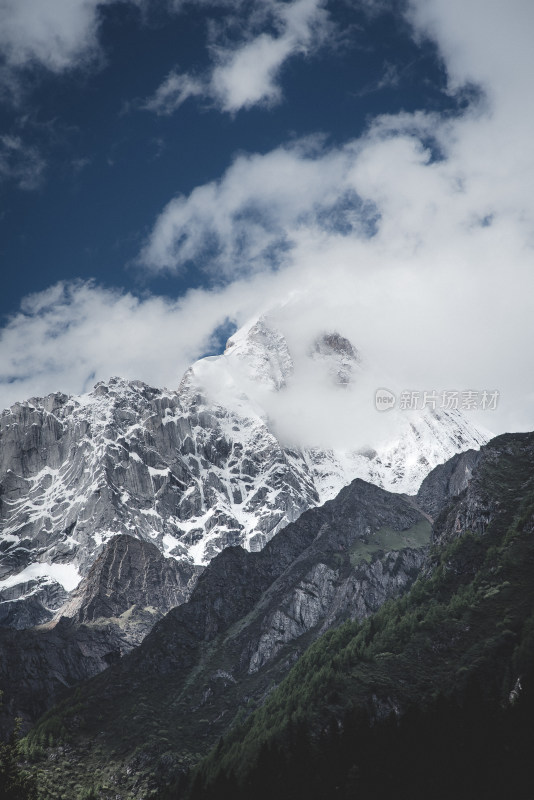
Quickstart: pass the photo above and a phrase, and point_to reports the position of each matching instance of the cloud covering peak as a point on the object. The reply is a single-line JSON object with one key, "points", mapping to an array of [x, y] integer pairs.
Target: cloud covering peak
{"points": [[414, 240]]}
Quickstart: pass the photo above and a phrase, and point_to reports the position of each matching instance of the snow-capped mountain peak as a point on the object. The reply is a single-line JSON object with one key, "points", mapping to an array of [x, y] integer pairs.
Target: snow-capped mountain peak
{"points": [[262, 353], [341, 357], [192, 470]]}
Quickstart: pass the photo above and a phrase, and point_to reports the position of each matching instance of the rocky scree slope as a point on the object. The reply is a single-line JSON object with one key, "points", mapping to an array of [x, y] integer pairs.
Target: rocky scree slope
{"points": [[192, 471]]}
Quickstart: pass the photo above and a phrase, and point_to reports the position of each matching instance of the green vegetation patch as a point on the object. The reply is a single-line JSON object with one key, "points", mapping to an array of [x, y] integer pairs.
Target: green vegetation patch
{"points": [[387, 539]]}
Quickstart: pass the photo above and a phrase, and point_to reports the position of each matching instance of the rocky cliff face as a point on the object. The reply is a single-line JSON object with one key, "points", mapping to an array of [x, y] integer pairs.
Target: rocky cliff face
{"points": [[501, 473], [361, 549], [192, 471], [128, 574], [446, 481], [37, 666], [128, 589]]}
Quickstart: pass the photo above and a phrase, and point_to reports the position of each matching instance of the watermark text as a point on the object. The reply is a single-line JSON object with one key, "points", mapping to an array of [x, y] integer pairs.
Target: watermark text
{"points": [[446, 400]]}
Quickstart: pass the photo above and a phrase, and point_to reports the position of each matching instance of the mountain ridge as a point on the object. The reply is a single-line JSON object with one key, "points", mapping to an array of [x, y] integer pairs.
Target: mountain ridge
{"points": [[363, 572], [207, 656], [444, 673]]}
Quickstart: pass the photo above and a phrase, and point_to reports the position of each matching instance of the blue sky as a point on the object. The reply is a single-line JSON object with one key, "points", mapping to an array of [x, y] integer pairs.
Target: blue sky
{"points": [[169, 168], [100, 166]]}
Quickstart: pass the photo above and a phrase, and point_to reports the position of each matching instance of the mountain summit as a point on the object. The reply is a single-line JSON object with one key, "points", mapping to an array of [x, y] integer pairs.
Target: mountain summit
{"points": [[194, 470]]}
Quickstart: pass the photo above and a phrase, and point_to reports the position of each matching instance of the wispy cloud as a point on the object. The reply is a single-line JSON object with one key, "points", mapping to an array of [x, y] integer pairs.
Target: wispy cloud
{"points": [[390, 79], [174, 91], [37, 38], [247, 72], [20, 162]]}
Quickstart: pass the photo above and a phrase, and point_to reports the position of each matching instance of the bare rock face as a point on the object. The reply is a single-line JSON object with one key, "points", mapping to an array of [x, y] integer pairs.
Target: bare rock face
{"points": [[130, 573], [358, 550], [479, 499], [128, 589], [30, 603], [341, 356], [446, 482], [340, 561]]}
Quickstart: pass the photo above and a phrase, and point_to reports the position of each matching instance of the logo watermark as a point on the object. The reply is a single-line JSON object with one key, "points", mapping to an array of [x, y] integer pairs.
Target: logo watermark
{"points": [[446, 400], [384, 400]]}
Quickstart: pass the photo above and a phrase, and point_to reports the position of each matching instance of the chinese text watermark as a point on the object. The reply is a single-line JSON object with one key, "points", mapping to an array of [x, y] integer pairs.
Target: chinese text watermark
{"points": [[446, 400]]}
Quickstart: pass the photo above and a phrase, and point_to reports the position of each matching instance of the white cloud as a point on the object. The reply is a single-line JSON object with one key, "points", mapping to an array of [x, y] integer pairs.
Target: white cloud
{"points": [[55, 34], [483, 41], [246, 220], [73, 335], [247, 73], [60, 35], [442, 289], [247, 76], [415, 241], [77, 333]]}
